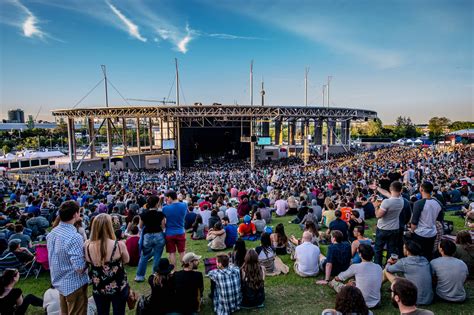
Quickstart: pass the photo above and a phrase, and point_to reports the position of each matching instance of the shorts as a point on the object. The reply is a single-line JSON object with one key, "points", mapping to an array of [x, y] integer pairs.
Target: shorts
{"points": [[176, 241]]}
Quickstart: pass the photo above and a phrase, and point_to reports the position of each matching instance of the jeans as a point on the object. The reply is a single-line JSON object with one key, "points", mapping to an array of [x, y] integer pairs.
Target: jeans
{"points": [[426, 244], [153, 244], [382, 238], [118, 302]]}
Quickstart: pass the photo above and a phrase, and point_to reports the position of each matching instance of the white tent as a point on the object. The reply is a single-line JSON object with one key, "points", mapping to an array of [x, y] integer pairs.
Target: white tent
{"points": [[418, 141]]}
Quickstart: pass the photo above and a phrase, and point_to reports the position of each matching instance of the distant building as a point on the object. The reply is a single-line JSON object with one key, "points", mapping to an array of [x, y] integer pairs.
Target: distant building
{"points": [[16, 116]]}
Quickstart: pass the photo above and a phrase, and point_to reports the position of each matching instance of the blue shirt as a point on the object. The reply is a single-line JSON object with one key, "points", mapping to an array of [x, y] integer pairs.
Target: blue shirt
{"points": [[230, 235], [339, 254], [175, 214], [66, 256], [339, 225]]}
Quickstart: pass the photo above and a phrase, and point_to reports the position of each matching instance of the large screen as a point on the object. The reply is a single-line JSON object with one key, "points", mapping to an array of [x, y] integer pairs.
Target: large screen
{"points": [[264, 141], [168, 145]]}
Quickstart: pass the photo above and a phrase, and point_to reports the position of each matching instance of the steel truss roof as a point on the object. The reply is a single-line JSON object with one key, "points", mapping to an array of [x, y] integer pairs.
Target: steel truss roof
{"points": [[223, 113]]}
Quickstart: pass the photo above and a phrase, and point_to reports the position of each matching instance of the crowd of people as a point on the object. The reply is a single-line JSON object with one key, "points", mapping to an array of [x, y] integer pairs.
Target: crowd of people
{"points": [[96, 223]]}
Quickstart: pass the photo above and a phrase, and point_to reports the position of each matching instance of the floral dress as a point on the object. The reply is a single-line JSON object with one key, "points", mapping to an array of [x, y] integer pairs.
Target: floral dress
{"points": [[109, 278]]}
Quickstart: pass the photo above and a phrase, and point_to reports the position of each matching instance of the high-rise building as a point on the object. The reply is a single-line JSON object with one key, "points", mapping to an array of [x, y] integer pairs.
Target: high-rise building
{"points": [[16, 116]]}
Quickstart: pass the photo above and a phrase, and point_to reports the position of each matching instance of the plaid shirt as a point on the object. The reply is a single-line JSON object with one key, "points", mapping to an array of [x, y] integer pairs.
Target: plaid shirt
{"points": [[66, 255], [227, 295]]}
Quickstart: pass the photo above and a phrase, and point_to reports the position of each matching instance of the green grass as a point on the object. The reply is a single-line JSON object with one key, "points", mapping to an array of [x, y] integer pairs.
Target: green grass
{"points": [[285, 294]]}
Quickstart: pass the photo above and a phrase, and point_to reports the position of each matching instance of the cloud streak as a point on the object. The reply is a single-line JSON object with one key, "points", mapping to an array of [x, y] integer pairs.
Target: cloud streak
{"points": [[30, 23], [131, 27]]}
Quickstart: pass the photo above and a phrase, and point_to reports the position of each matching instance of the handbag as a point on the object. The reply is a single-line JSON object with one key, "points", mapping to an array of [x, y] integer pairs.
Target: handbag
{"points": [[132, 299]]}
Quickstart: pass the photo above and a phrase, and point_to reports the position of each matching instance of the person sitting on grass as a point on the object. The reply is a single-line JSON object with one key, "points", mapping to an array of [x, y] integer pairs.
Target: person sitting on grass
{"points": [[237, 256], [133, 247], [307, 257], [247, 229], [349, 300], [216, 237], [328, 214], [415, 268], [268, 258], [11, 298], [21, 253], [189, 286], [449, 273], [355, 220], [368, 276], [358, 233], [162, 289], [230, 232], [259, 222], [465, 250], [213, 219], [404, 297], [189, 218], [227, 293], [198, 229], [339, 225], [279, 239], [338, 257], [252, 278]]}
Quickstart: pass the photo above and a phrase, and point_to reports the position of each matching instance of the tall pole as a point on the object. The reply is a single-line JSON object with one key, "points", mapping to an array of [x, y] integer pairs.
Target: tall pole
{"points": [[109, 127], [251, 83], [306, 70], [328, 86], [323, 94], [306, 151], [252, 146], [177, 81], [177, 135]]}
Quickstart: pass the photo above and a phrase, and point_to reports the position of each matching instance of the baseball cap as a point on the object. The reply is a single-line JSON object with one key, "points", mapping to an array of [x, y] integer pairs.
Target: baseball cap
{"points": [[190, 257]]}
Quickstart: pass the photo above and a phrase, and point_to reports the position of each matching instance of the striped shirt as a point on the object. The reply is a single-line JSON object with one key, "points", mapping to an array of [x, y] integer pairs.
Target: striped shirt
{"points": [[66, 256]]}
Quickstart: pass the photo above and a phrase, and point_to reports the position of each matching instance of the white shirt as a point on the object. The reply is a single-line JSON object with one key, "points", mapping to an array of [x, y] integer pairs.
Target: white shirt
{"points": [[307, 258], [205, 215], [51, 302], [231, 213]]}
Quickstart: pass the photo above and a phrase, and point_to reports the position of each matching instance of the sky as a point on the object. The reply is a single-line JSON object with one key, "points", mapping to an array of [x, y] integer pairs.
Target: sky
{"points": [[407, 57]]}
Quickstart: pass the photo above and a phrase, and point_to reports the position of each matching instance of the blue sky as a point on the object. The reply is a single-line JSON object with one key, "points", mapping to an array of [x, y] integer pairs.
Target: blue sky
{"points": [[407, 57]]}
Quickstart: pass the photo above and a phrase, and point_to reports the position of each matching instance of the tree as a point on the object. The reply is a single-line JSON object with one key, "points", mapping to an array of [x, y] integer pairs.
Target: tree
{"points": [[404, 128], [6, 149], [459, 125], [374, 128], [437, 125]]}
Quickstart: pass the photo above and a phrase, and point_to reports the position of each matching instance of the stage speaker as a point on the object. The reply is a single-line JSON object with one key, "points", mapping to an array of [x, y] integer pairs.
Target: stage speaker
{"points": [[366, 119], [253, 138]]}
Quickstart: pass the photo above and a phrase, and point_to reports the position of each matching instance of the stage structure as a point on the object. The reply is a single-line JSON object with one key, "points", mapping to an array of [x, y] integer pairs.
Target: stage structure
{"points": [[166, 135], [166, 124]]}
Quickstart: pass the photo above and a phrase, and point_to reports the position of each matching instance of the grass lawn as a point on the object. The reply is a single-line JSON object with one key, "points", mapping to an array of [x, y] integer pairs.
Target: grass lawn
{"points": [[285, 294]]}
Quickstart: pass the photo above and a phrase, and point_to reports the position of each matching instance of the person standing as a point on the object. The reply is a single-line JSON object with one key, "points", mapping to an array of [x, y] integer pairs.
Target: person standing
{"points": [[175, 212], [388, 224], [106, 257], [423, 222], [66, 261], [189, 286], [152, 224]]}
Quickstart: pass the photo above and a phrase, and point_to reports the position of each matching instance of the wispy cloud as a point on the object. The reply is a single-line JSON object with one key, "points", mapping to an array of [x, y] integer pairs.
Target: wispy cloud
{"points": [[131, 27], [230, 36], [29, 22]]}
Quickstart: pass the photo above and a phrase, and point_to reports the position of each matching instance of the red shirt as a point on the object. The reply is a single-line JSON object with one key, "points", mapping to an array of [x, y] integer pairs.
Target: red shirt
{"points": [[247, 229], [209, 205], [133, 250]]}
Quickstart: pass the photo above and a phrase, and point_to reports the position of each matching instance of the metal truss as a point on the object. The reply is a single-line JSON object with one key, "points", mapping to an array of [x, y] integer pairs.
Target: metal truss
{"points": [[220, 114]]}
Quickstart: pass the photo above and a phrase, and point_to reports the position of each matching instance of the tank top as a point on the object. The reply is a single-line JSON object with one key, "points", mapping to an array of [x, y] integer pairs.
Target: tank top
{"points": [[356, 259], [109, 278]]}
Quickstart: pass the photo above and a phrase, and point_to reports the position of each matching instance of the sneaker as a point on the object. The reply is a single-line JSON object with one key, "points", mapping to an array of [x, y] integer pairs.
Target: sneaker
{"points": [[139, 279]]}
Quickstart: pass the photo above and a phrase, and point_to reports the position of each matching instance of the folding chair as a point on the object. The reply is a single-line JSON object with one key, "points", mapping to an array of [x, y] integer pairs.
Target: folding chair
{"points": [[9, 261], [41, 257]]}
